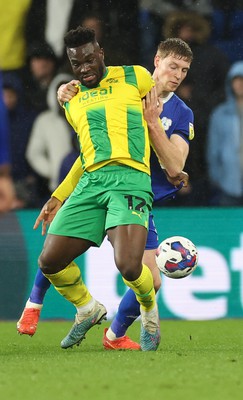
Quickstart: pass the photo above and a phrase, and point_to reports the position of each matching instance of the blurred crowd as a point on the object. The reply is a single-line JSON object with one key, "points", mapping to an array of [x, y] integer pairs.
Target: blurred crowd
{"points": [[37, 145]]}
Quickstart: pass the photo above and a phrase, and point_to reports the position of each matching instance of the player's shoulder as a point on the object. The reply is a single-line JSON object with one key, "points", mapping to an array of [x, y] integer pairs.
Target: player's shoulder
{"points": [[181, 104], [138, 70], [130, 70]]}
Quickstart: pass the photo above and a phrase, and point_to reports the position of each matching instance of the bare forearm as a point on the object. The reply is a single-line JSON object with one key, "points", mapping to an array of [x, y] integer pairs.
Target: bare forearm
{"points": [[170, 156], [171, 152]]}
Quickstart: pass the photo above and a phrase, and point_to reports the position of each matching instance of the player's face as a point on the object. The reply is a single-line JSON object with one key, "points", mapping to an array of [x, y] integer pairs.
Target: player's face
{"points": [[87, 63], [169, 72]]}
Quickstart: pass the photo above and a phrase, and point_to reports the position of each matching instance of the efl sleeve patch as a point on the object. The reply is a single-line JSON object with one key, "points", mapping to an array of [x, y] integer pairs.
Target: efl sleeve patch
{"points": [[191, 131]]}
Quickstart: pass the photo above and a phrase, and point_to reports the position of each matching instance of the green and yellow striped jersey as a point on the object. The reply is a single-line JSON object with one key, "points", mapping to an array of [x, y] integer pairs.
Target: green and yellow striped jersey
{"points": [[109, 119]]}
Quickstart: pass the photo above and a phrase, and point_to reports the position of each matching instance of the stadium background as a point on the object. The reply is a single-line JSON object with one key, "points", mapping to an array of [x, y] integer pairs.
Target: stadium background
{"points": [[211, 292]]}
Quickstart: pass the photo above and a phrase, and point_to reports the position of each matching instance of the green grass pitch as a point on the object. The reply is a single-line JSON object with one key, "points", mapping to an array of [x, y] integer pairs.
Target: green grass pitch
{"points": [[200, 360]]}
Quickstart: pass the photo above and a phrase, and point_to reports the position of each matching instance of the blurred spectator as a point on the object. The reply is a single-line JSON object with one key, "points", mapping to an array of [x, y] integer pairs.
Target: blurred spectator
{"points": [[204, 88], [41, 68], [48, 20], [13, 42], [227, 27], [163, 7], [7, 193], [114, 55], [50, 141], [4, 135], [21, 120], [152, 14], [225, 143], [121, 20]]}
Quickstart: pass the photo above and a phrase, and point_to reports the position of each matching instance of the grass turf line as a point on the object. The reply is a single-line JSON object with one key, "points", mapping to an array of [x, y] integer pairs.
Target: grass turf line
{"points": [[195, 360]]}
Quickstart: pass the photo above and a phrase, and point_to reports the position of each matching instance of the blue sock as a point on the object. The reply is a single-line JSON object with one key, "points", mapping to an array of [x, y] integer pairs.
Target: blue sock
{"points": [[128, 311], [41, 285]]}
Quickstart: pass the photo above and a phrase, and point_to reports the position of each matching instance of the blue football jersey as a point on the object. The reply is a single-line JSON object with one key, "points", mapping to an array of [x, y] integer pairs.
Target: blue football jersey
{"points": [[177, 118]]}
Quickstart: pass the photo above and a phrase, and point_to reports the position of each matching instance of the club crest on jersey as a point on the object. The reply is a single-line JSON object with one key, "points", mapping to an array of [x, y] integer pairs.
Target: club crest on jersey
{"points": [[112, 80], [166, 122], [191, 131]]}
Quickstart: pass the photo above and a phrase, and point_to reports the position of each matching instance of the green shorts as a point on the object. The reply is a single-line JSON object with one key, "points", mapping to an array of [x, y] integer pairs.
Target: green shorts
{"points": [[108, 197]]}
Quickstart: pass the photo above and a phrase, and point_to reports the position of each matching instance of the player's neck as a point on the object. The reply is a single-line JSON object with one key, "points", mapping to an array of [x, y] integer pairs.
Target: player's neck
{"points": [[161, 92], [165, 96]]}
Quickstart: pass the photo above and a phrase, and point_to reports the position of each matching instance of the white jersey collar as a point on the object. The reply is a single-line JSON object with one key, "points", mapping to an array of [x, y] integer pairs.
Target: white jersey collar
{"points": [[167, 98]]}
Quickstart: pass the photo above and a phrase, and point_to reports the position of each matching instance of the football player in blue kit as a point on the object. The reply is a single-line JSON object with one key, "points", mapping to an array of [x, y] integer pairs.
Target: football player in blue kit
{"points": [[172, 62]]}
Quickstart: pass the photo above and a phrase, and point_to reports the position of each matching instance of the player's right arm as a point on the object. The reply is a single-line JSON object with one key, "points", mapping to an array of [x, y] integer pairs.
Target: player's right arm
{"points": [[47, 213], [64, 94]]}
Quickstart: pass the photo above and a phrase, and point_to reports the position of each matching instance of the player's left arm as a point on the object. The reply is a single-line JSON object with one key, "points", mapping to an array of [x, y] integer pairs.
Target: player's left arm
{"points": [[172, 153]]}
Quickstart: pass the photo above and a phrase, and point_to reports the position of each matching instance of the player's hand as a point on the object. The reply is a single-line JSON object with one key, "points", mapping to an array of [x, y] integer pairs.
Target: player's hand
{"points": [[181, 180], [152, 106], [67, 91], [47, 213]]}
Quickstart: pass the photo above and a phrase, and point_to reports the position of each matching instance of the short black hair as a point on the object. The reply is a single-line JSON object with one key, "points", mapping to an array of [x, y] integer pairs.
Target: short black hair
{"points": [[79, 36]]}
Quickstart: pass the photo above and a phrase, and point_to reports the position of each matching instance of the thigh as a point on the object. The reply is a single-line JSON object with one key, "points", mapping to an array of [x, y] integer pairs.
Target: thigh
{"points": [[81, 216], [59, 251], [128, 242], [129, 200]]}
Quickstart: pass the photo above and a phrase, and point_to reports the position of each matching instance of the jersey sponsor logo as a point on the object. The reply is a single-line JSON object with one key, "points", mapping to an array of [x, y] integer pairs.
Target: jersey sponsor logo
{"points": [[95, 95], [191, 131], [166, 122]]}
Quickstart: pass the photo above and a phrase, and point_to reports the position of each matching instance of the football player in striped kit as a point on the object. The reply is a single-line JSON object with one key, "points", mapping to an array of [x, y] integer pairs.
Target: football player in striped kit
{"points": [[172, 61]]}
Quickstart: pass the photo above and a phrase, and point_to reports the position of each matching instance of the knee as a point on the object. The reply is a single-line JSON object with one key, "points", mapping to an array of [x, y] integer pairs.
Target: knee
{"points": [[43, 264], [129, 267], [47, 264]]}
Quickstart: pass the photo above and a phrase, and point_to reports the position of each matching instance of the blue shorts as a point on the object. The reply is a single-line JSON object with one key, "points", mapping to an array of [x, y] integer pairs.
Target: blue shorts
{"points": [[152, 239]]}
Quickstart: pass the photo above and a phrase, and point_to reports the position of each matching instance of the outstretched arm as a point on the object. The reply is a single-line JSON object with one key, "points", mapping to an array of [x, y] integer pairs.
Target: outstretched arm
{"points": [[61, 193], [64, 93], [47, 213]]}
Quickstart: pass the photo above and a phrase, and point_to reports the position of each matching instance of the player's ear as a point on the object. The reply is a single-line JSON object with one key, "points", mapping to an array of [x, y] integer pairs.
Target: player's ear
{"points": [[102, 54], [156, 60]]}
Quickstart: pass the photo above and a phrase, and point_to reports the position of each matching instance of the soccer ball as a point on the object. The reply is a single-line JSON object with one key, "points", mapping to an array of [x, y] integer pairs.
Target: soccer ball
{"points": [[177, 257]]}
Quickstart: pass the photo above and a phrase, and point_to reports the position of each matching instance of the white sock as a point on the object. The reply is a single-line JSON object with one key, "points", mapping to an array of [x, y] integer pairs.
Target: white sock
{"points": [[111, 335], [150, 319], [29, 304], [87, 308]]}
